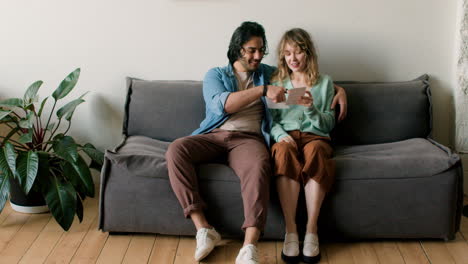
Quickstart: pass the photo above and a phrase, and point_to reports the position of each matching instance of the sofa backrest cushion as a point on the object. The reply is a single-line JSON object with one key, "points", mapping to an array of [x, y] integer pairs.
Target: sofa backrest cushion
{"points": [[163, 110], [382, 112], [378, 112]]}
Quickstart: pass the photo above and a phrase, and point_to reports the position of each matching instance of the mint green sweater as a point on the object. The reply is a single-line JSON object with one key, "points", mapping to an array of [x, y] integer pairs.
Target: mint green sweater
{"points": [[318, 119]]}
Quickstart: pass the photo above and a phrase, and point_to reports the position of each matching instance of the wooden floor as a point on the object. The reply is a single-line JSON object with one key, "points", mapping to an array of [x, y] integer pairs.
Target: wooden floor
{"points": [[38, 238]]}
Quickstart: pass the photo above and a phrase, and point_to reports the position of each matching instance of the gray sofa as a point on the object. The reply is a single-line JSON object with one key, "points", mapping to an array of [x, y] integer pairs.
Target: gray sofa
{"points": [[392, 179]]}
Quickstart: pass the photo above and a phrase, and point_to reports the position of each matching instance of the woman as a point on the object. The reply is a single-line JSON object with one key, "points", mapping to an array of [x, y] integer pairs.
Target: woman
{"points": [[302, 152]]}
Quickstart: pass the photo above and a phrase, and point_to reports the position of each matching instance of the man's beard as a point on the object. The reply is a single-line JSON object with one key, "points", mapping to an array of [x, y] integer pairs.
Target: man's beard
{"points": [[245, 63]]}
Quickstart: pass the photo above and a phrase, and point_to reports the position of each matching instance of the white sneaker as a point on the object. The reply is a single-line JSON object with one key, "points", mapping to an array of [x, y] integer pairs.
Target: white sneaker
{"points": [[247, 255], [311, 250], [207, 239], [290, 252]]}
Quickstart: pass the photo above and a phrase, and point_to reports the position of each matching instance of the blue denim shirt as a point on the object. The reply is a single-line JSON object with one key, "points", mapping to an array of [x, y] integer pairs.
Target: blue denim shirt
{"points": [[219, 82]]}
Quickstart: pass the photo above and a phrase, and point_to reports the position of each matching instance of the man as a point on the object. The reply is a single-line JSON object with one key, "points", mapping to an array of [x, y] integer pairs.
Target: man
{"points": [[237, 124]]}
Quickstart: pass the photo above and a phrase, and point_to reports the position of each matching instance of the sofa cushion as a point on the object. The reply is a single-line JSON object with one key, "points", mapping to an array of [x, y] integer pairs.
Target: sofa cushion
{"points": [[145, 157], [383, 112], [164, 110], [410, 158]]}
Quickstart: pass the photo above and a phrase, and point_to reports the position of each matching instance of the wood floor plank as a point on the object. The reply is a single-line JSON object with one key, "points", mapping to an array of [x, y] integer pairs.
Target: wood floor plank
{"points": [[71, 240], [267, 252], [114, 249], [164, 249], [339, 253], [232, 250], [412, 252], [218, 255], [5, 212], [458, 248], [139, 249], [44, 243], [92, 244], [32, 239], [464, 227], [23, 239], [437, 252], [363, 252], [10, 227], [185, 251], [388, 252], [324, 253], [279, 248]]}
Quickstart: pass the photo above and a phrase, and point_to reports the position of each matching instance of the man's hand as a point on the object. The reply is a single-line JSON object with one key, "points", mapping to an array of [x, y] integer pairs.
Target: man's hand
{"points": [[306, 100], [288, 139], [340, 98], [276, 93]]}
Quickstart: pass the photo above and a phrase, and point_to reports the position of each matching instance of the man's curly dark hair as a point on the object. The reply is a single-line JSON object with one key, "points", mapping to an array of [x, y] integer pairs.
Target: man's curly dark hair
{"points": [[241, 35]]}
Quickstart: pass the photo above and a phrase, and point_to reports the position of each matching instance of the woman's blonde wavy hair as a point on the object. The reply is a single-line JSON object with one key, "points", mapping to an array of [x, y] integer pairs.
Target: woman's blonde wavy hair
{"points": [[299, 38]]}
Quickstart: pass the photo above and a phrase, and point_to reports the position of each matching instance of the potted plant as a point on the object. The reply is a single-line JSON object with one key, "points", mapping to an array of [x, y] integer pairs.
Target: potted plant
{"points": [[37, 155]]}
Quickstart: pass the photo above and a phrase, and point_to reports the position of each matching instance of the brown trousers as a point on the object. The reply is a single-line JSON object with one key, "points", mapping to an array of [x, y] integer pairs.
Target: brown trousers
{"points": [[312, 159], [246, 154]]}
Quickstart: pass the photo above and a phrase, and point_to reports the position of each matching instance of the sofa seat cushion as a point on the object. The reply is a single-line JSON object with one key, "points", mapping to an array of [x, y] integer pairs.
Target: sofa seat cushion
{"points": [[410, 158], [142, 156]]}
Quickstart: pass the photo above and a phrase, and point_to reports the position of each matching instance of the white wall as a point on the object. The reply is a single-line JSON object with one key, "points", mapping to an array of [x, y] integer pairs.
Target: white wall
{"points": [[181, 39]]}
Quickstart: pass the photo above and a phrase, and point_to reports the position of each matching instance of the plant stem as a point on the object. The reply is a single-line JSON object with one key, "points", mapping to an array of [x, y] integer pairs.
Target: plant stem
{"points": [[68, 128], [36, 128], [17, 132], [55, 130], [52, 134], [14, 141], [16, 114], [10, 125], [42, 143], [21, 147], [48, 120]]}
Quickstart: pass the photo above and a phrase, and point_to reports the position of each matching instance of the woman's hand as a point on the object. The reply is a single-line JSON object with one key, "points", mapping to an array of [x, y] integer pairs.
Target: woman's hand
{"points": [[306, 100], [288, 139], [340, 98]]}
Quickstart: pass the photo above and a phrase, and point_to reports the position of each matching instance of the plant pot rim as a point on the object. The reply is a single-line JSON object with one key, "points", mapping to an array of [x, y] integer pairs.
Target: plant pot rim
{"points": [[29, 209]]}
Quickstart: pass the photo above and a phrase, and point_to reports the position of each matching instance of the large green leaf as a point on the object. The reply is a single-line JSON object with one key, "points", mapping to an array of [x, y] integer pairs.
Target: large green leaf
{"points": [[4, 189], [66, 85], [12, 102], [60, 197], [65, 147], [93, 153], [27, 122], [43, 172], [8, 156], [79, 208], [28, 165], [68, 109], [31, 93], [26, 138], [70, 173], [82, 170], [5, 173], [4, 113], [42, 106]]}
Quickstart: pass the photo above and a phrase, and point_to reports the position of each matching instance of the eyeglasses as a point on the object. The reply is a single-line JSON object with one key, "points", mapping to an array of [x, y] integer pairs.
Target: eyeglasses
{"points": [[252, 51]]}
